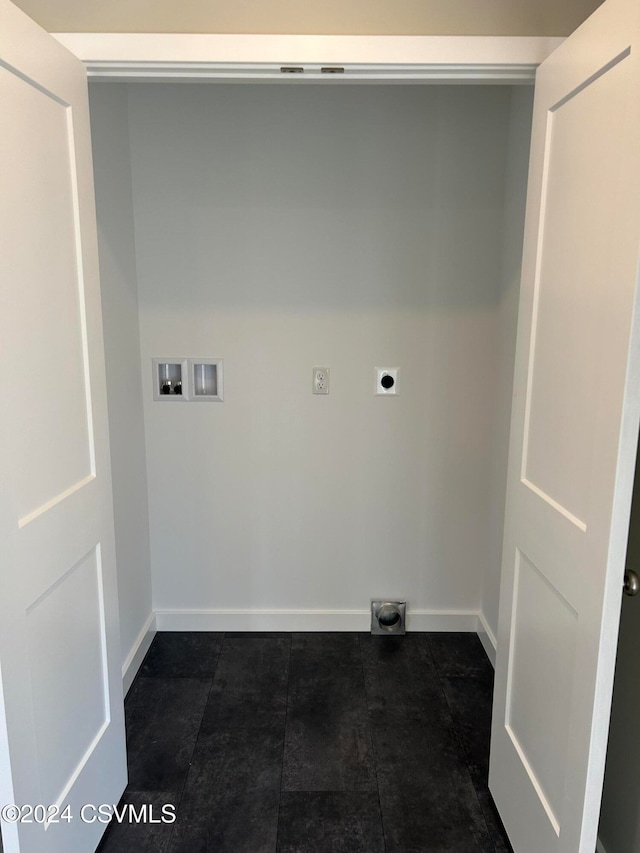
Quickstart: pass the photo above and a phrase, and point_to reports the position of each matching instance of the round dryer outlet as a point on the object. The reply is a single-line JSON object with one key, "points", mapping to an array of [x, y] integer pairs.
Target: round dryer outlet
{"points": [[388, 617], [386, 381]]}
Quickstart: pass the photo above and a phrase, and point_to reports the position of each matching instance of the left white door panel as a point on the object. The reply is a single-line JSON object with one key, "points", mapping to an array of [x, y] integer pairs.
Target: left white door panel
{"points": [[59, 643]]}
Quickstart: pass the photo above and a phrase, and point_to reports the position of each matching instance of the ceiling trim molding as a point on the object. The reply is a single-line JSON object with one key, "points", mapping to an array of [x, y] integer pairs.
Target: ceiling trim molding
{"points": [[299, 59]]}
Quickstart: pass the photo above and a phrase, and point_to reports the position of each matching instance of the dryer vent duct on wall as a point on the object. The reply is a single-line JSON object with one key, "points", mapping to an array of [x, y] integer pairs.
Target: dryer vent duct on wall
{"points": [[388, 617]]}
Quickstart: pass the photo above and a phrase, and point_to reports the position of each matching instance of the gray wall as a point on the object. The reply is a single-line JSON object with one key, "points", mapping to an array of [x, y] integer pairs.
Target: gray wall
{"points": [[282, 228], [112, 169]]}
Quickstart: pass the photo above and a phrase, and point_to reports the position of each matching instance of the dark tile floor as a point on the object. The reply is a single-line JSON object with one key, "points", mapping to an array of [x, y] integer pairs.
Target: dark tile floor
{"points": [[311, 743]]}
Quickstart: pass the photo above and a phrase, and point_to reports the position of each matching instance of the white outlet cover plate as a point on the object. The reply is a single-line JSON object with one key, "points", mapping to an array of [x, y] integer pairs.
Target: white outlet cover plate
{"points": [[321, 376], [380, 390]]}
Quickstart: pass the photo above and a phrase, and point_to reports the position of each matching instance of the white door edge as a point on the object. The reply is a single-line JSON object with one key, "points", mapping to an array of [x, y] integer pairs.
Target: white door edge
{"points": [[8, 831]]}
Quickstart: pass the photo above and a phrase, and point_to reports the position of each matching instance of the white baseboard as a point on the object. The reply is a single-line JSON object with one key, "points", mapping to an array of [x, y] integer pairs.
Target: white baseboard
{"points": [[441, 620], [487, 638], [600, 847], [137, 653], [307, 620]]}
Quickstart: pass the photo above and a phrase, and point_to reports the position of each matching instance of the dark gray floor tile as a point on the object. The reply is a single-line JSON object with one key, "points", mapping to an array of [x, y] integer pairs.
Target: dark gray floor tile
{"points": [[322, 821], [497, 831], [328, 745], [335, 647], [470, 702], [458, 654], [401, 681], [232, 824], [327, 738], [250, 685], [426, 793], [228, 761], [182, 654], [130, 836], [415, 754], [163, 716], [434, 821], [230, 801]]}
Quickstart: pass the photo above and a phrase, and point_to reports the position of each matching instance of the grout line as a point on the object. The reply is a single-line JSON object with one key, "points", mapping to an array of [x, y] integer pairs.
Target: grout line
{"points": [[373, 743], [424, 647], [284, 736], [173, 835]]}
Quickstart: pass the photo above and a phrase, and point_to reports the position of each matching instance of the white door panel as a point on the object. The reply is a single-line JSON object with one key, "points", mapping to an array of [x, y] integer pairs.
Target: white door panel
{"points": [[61, 679], [54, 453], [573, 441]]}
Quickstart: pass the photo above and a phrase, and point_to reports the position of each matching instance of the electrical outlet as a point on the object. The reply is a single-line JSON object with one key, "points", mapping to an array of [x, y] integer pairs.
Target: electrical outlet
{"points": [[320, 380]]}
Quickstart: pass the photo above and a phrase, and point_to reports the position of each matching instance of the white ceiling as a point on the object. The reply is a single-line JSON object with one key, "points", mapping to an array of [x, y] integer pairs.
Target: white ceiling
{"points": [[332, 17]]}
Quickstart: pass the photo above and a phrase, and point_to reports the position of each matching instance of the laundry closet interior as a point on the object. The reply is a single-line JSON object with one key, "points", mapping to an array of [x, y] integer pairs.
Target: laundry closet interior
{"points": [[280, 228]]}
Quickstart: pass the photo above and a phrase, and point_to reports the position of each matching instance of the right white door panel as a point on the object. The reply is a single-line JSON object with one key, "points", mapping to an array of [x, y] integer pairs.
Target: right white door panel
{"points": [[573, 440]]}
